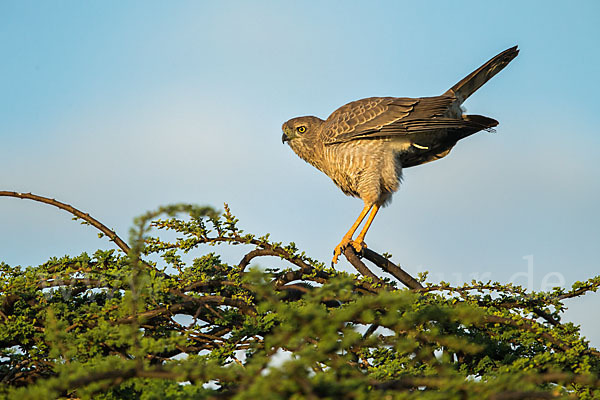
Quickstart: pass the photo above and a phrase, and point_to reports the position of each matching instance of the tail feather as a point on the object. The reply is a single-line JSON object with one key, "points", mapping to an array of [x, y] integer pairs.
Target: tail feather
{"points": [[469, 84], [484, 122], [476, 123]]}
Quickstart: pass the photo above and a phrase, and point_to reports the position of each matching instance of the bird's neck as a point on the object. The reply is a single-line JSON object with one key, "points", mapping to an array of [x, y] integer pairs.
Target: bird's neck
{"points": [[312, 153]]}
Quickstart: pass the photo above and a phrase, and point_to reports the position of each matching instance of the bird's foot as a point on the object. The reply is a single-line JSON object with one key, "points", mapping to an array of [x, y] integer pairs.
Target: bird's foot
{"points": [[358, 245], [340, 248]]}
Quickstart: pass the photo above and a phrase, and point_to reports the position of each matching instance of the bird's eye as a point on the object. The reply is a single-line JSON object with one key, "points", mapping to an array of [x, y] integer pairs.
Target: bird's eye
{"points": [[301, 129]]}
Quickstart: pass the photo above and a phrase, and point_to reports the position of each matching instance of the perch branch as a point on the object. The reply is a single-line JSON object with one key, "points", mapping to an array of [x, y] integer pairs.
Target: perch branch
{"points": [[359, 265], [392, 269]]}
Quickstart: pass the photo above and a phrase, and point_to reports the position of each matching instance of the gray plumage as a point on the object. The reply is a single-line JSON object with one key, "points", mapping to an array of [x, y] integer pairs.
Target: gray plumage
{"points": [[364, 145]]}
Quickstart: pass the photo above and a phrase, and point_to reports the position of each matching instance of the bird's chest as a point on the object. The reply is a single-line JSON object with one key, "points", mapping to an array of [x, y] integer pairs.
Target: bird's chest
{"points": [[357, 165]]}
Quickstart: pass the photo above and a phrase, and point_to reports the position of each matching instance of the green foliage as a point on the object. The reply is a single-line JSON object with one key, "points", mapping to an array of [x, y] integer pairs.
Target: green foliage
{"points": [[111, 326]]}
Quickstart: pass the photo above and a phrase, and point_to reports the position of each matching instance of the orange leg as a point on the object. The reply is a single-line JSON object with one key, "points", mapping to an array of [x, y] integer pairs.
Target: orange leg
{"points": [[348, 236], [359, 242]]}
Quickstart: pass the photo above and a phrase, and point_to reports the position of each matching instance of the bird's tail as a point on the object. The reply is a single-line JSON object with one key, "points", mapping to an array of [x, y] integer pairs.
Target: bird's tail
{"points": [[469, 84]]}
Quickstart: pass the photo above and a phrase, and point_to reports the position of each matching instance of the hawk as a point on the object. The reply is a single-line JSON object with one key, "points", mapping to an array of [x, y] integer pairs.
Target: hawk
{"points": [[364, 145]]}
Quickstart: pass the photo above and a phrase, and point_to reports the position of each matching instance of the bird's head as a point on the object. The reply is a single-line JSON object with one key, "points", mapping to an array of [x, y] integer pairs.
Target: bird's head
{"points": [[300, 130], [302, 134]]}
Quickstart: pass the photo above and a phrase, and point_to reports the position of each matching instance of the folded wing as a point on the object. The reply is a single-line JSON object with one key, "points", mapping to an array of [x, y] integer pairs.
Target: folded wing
{"points": [[389, 117]]}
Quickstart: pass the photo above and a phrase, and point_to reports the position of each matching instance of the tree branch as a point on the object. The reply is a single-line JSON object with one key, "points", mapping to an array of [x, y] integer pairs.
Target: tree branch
{"points": [[359, 265], [79, 214], [392, 269]]}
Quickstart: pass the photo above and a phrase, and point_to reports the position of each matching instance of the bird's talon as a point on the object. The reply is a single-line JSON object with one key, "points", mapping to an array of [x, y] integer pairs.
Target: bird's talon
{"points": [[336, 254], [335, 259], [339, 249]]}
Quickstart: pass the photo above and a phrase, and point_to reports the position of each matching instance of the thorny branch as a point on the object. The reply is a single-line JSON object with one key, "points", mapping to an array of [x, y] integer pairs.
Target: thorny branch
{"points": [[207, 300]]}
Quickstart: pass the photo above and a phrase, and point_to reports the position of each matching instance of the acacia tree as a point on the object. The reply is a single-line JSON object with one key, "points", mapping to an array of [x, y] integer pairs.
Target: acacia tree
{"points": [[166, 319]]}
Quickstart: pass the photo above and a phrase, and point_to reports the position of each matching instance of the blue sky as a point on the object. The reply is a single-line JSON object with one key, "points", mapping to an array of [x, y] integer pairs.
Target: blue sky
{"points": [[118, 107]]}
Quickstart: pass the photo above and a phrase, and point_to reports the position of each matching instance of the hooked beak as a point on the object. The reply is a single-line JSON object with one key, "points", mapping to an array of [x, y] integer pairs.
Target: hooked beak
{"points": [[284, 138]]}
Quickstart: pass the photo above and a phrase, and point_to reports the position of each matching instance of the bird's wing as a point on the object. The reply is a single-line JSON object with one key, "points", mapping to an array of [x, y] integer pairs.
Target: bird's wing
{"points": [[365, 115], [386, 117]]}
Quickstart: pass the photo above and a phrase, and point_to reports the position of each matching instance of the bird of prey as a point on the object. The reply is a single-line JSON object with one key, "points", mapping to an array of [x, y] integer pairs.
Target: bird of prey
{"points": [[364, 145]]}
